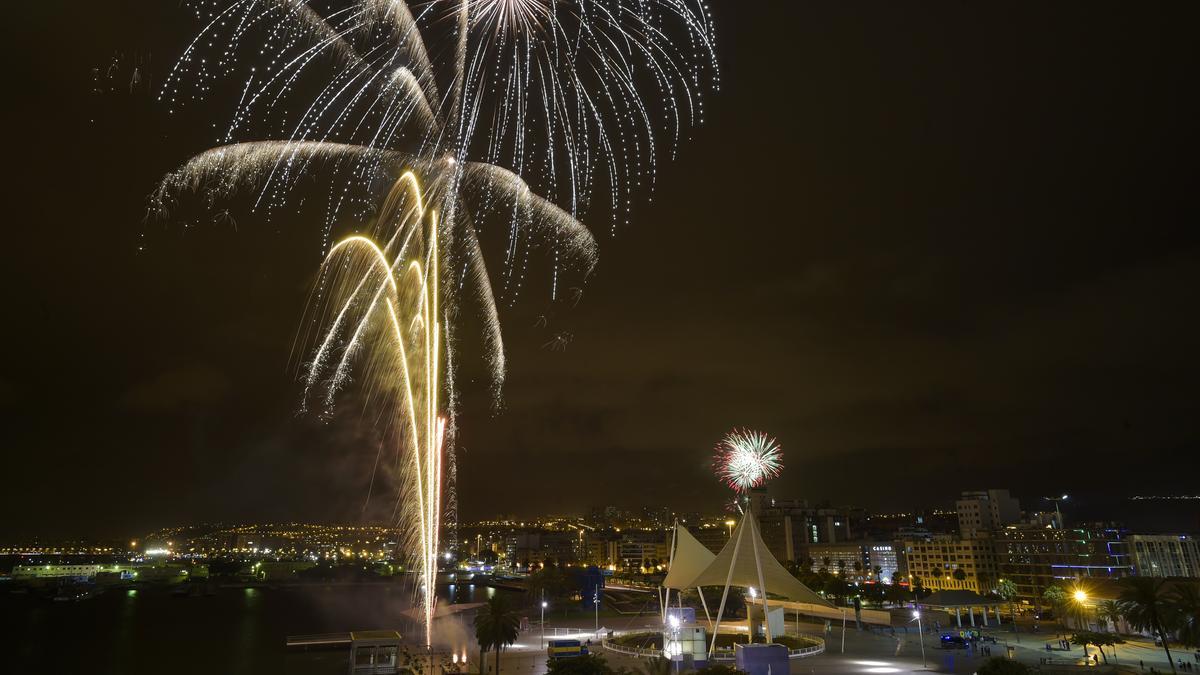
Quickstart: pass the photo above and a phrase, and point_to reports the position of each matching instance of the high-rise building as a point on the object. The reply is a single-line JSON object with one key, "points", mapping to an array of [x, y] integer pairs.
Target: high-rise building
{"points": [[886, 555], [660, 516], [1165, 555], [944, 562], [714, 537], [982, 511], [1036, 557], [788, 525]]}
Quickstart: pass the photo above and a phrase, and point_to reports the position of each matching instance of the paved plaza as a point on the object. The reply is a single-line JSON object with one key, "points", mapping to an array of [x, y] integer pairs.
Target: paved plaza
{"points": [[867, 652]]}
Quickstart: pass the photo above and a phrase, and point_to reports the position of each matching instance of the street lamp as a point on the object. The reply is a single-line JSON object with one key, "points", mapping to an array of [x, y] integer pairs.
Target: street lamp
{"points": [[673, 649], [596, 606], [1057, 512], [729, 524], [1081, 597], [920, 636], [543, 619]]}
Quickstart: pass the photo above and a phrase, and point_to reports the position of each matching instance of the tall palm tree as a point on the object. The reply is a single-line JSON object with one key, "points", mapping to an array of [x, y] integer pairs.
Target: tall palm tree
{"points": [[1007, 590], [496, 627], [1109, 611], [1147, 607], [1056, 597], [1186, 601], [959, 574]]}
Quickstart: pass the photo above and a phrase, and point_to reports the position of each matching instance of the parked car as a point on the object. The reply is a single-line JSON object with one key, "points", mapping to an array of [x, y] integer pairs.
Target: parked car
{"points": [[953, 642]]}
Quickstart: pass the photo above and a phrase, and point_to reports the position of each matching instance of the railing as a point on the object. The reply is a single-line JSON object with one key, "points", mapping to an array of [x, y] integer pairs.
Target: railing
{"points": [[722, 654], [802, 652], [639, 652], [572, 631]]}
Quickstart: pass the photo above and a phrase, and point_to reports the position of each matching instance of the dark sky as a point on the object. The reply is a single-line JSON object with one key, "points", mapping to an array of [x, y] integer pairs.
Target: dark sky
{"points": [[929, 246]]}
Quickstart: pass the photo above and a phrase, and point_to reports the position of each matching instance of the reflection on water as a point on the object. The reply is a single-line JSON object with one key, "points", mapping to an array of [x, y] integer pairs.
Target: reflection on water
{"points": [[233, 631]]}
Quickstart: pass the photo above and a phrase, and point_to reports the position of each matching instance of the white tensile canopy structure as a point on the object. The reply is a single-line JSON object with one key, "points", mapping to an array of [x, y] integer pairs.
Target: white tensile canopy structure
{"points": [[745, 562]]}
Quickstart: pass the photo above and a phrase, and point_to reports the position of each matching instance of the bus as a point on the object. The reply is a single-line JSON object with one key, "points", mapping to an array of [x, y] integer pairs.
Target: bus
{"points": [[565, 649]]}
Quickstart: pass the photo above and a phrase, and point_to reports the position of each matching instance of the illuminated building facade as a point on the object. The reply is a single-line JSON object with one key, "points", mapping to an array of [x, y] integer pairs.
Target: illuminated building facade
{"points": [[982, 511], [1166, 555], [940, 561], [1036, 557]]}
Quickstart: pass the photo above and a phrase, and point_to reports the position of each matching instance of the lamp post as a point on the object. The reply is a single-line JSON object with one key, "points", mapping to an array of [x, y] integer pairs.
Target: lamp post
{"points": [[729, 524], [1057, 512], [920, 636], [543, 619], [675, 649], [1081, 597], [753, 597]]}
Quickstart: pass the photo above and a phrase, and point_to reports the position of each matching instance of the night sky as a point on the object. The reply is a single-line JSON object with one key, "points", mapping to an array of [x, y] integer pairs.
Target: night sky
{"points": [[929, 246]]}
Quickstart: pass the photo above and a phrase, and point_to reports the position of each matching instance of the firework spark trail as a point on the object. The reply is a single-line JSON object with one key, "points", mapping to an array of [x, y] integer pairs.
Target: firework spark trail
{"points": [[397, 344], [529, 105], [746, 459], [562, 92]]}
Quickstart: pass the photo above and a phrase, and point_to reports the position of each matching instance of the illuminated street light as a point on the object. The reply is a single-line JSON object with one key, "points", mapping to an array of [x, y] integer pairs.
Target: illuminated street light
{"points": [[1057, 512], [543, 620], [729, 524], [920, 636], [1081, 597]]}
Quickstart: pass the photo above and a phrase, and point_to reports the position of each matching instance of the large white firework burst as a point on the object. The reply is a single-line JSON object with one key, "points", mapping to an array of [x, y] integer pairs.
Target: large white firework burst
{"points": [[746, 459], [519, 116]]}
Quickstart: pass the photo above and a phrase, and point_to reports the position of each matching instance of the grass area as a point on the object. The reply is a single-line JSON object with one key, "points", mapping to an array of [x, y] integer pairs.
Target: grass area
{"points": [[640, 640]]}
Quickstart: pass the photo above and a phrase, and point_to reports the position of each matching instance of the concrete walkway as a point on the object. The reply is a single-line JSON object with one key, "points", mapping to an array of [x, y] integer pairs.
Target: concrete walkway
{"points": [[867, 652]]}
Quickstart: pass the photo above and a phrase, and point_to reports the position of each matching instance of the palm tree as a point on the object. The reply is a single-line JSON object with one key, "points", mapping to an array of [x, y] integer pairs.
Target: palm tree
{"points": [[1186, 601], [983, 579], [1109, 611], [1056, 597], [1007, 590], [878, 573], [496, 627], [1147, 607]]}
